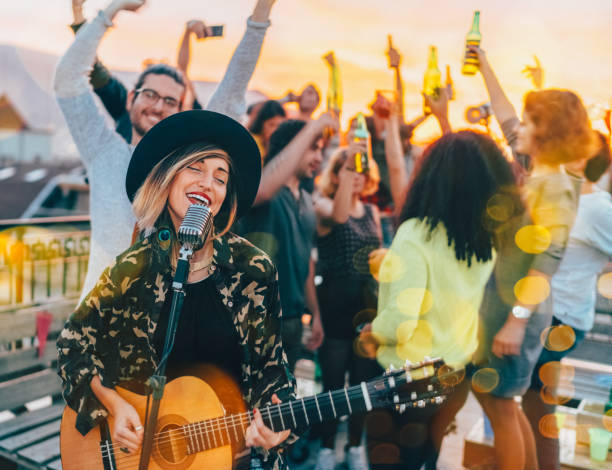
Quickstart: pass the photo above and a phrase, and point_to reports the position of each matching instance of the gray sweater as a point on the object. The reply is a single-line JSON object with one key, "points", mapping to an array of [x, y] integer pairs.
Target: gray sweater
{"points": [[106, 155]]}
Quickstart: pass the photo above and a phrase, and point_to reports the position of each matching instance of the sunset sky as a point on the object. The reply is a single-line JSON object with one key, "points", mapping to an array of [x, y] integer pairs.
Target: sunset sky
{"points": [[571, 39]]}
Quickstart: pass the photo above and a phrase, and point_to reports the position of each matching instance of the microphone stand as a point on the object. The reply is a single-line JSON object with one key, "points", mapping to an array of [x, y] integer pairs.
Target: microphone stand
{"points": [[157, 382]]}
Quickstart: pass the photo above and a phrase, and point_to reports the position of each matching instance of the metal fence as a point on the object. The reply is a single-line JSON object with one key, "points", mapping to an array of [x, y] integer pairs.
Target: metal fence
{"points": [[42, 259]]}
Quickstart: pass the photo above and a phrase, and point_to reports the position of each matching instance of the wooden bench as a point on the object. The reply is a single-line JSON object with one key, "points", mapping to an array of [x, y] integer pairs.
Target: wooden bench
{"points": [[30, 440]]}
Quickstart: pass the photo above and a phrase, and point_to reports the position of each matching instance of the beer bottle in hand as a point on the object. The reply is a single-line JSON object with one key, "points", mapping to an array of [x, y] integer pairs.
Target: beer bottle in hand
{"points": [[432, 81], [470, 61]]}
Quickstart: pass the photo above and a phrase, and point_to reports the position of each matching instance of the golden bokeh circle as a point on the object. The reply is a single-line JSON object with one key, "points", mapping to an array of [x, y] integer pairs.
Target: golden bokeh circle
{"points": [[414, 341], [604, 285], [392, 268], [485, 380], [548, 426], [554, 372], [532, 290], [558, 338], [366, 345], [559, 394], [533, 239], [415, 300], [500, 207], [361, 259], [450, 377]]}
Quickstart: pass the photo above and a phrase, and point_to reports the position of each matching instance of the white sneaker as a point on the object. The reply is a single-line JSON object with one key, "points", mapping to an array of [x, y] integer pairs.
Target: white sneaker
{"points": [[326, 460], [356, 458]]}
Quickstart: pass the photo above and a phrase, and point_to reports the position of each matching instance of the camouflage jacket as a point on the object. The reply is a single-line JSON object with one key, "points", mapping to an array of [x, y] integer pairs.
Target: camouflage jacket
{"points": [[111, 332]]}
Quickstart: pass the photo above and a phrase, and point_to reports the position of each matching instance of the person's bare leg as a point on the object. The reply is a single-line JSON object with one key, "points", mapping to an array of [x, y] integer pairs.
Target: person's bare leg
{"points": [[531, 455], [509, 445]]}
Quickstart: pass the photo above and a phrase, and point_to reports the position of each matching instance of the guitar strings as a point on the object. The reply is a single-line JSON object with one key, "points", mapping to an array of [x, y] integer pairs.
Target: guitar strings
{"points": [[202, 429], [207, 427]]}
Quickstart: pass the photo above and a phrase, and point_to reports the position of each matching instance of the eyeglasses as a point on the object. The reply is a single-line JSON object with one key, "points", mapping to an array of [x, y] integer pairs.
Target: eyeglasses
{"points": [[151, 97]]}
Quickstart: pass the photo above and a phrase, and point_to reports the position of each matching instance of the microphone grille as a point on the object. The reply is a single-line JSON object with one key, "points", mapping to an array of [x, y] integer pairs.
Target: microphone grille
{"points": [[196, 225]]}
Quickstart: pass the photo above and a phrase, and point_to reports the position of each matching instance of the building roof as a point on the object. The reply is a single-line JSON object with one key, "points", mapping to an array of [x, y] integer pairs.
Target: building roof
{"points": [[21, 184]]}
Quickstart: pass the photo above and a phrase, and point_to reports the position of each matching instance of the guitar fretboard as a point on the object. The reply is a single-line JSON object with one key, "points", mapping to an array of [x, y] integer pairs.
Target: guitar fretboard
{"points": [[295, 414]]}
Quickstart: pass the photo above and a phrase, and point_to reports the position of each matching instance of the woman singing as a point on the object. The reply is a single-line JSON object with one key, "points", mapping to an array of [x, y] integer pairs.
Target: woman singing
{"points": [[231, 313]]}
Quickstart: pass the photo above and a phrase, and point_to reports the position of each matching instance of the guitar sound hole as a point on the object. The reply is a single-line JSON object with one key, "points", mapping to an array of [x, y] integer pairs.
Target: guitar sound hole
{"points": [[172, 445]]}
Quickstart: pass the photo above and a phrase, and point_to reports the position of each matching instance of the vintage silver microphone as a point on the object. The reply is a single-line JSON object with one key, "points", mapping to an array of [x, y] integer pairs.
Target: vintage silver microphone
{"points": [[196, 226]]}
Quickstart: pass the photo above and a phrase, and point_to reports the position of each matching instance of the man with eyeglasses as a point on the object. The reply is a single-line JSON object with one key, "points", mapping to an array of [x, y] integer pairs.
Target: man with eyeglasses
{"points": [[159, 93]]}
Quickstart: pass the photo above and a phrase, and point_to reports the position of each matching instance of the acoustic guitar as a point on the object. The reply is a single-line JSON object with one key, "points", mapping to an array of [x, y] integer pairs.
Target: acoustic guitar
{"points": [[193, 430]]}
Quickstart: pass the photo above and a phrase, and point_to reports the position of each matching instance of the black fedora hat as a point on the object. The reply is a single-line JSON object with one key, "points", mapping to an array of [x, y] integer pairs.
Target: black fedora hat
{"points": [[194, 126]]}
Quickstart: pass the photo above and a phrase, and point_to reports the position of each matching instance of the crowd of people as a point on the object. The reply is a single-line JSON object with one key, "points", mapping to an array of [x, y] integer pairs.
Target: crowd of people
{"points": [[465, 250]]}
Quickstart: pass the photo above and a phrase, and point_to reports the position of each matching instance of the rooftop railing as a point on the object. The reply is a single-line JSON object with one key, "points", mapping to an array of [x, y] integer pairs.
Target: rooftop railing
{"points": [[42, 259]]}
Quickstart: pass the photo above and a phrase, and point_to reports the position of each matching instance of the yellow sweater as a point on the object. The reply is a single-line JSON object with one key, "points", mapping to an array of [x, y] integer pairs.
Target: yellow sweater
{"points": [[428, 300]]}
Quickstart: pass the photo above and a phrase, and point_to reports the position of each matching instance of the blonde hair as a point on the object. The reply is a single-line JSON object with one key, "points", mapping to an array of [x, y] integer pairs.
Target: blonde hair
{"points": [[328, 186], [151, 200]]}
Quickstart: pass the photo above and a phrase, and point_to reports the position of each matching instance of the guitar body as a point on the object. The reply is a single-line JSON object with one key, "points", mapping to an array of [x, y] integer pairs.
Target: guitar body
{"points": [[186, 400]]}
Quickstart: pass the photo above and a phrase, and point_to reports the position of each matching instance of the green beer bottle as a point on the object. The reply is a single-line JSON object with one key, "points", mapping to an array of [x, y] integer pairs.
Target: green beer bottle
{"points": [[361, 133], [334, 92], [432, 81], [470, 61]]}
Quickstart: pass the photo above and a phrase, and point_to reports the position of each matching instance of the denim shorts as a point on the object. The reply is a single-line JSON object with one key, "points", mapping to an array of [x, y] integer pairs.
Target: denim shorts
{"points": [[513, 372]]}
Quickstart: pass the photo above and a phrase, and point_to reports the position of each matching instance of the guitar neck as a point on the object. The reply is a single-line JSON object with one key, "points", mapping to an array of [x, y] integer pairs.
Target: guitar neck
{"points": [[295, 414]]}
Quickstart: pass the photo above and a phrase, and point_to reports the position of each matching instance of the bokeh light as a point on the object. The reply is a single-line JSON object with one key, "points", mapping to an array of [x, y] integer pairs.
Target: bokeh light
{"points": [[361, 259], [392, 268], [559, 394], [532, 290], [554, 372], [384, 454], [413, 435], [548, 426], [485, 380], [604, 285], [450, 377], [418, 345], [379, 423], [500, 207], [533, 239], [558, 338], [415, 300]]}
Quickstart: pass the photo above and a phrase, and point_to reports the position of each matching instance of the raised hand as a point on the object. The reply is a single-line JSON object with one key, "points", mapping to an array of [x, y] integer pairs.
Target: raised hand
{"points": [[198, 28], [393, 54], [330, 59], [535, 73], [77, 11]]}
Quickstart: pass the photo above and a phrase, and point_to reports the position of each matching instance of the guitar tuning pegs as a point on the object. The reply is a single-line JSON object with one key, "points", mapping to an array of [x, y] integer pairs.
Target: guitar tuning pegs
{"points": [[408, 363], [413, 396], [391, 367], [421, 403], [430, 388], [395, 398], [400, 408], [438, 400]]}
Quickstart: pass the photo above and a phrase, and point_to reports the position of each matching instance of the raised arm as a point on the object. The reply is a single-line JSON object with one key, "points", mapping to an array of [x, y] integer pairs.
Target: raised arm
{"points": [[394, 154], [439, 108], [282, 167], [87, 125], [74, 66], [337, 210], [229, 97], [394, 63], [201, 31], [500, 104]]}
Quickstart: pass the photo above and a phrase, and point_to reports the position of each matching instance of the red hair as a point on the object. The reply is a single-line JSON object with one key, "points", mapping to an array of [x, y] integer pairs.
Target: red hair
{"points": [[563, 130]]}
